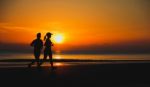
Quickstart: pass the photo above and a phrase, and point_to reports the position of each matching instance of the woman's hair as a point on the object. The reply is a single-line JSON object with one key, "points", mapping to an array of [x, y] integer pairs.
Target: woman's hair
{"points": [[44, 37], [47, 35]]}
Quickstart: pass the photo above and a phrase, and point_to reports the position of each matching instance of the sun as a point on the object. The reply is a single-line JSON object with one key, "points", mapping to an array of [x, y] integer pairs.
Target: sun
{"points": [[58, 38]]}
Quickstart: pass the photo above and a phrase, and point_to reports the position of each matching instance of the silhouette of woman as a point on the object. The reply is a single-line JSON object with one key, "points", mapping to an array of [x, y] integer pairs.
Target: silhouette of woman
{"points": [[48, 51], [38, 45]]}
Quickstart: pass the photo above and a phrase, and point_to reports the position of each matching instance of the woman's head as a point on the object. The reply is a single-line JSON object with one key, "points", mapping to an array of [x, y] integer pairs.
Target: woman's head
{"points": [[48, 35]]}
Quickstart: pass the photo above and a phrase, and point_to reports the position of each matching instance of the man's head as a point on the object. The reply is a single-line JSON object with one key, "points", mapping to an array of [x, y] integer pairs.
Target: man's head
{"points": [[38, 35]]}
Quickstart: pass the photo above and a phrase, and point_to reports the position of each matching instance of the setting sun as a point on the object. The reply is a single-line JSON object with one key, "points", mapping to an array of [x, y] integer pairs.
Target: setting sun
{"points": [[58, 38]]}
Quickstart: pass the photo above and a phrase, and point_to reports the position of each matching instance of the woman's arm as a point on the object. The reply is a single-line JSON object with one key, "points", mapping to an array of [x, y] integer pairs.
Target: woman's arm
{"points": [[52, 44]]}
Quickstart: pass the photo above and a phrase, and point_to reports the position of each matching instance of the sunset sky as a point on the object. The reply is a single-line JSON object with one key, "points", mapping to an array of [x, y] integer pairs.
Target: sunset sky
{"points": [[83, 25]]}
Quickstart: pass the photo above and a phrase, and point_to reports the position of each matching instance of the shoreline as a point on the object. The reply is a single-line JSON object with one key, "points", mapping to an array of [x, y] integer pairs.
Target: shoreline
{"points": [[72, 60]]}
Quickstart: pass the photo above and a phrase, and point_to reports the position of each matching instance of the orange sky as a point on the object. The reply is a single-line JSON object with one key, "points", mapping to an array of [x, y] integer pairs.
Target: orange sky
{"points": [[82, 22]]}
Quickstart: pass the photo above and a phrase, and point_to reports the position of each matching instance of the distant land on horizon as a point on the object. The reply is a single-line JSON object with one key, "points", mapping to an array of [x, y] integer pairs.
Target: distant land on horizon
{"points": [[126, 48]]}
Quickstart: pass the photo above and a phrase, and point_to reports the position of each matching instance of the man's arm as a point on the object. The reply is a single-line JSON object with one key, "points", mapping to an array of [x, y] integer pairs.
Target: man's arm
{"points": [[32, 44]]}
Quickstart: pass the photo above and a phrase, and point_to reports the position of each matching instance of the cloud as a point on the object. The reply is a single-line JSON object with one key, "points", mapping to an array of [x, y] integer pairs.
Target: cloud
{"points": [[9, 27]]}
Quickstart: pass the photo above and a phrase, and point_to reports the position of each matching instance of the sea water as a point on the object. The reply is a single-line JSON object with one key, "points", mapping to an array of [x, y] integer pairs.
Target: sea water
{"points": [[82, 56]]}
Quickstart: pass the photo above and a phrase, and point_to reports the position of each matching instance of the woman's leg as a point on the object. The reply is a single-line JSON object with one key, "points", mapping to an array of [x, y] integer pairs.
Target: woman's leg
{"points": [[51, 59]]}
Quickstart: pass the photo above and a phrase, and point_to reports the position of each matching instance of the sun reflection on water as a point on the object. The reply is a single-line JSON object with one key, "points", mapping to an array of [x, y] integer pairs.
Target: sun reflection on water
{"points": [[57, 57], [58, 64]]}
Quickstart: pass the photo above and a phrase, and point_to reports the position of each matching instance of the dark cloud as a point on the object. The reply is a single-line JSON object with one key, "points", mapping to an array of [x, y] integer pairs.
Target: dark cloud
{"points": [[15, 48], [135, 47]]}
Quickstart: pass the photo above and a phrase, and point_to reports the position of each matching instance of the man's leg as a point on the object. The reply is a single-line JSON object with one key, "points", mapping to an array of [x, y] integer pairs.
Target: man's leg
{"points": [[51, 59], [38, 61], [38, 58], [33, 61]]}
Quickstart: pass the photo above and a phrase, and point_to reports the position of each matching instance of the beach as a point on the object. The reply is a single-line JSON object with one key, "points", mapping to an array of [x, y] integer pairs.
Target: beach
{"points": [[93, 43], [77, 74]]}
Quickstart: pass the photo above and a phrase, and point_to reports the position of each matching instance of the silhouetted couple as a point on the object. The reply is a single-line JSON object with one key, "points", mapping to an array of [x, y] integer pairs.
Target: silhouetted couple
{"points": [[38, 46]]}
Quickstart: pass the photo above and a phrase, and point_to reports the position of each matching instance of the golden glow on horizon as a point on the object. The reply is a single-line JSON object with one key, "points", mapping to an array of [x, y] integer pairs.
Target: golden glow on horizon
{"points": [[57, 57], [58, 38]]}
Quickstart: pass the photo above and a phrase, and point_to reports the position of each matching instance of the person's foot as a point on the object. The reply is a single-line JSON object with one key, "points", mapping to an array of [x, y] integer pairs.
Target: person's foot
{"points": [[29, 66], [53, 68], [39, 65]]}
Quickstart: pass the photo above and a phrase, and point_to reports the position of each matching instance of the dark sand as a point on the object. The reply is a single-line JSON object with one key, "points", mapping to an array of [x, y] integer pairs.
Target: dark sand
{"points": [[71, 74]]}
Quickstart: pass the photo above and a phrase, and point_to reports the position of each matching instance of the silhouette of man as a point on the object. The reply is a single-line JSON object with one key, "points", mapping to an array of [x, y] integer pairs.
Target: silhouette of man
{"points": [[38, 45], [48, 51]]}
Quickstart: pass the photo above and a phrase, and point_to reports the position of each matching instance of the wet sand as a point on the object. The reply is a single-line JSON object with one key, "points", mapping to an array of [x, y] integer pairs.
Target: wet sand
{"points": [[78, 74]]}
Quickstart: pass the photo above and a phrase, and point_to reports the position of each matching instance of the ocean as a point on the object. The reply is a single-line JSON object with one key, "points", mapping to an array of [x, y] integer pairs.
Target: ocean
{"points": [[82, 56]]}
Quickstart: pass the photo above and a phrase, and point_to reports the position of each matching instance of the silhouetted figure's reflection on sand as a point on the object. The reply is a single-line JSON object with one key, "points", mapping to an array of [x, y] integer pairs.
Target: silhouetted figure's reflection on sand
{"points": [[38, 45], [48, 50]]}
